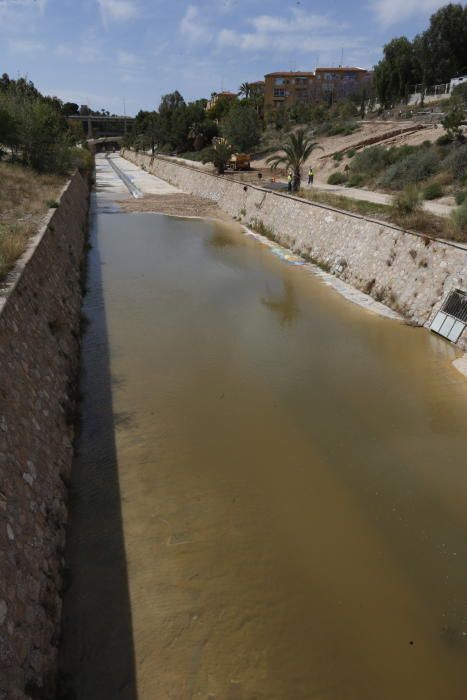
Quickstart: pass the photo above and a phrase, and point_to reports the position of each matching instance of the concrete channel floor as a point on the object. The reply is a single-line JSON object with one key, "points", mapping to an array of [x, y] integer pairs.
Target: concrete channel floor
{"points": [[143, 181]]}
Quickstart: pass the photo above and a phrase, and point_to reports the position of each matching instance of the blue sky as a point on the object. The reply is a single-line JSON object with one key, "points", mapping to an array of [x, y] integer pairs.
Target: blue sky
{"points": [[100, 52]]}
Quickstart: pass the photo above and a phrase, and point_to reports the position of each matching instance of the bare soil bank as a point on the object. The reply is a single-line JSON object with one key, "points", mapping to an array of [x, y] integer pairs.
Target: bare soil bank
{"points": [[176, 205]]}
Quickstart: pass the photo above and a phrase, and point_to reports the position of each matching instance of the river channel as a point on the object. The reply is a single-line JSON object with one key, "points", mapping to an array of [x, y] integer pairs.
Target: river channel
{"points": [[269, 497]]}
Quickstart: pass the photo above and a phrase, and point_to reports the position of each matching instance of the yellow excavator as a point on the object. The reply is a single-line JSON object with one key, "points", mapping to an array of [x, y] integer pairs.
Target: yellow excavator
{"points": [[240, 161]]}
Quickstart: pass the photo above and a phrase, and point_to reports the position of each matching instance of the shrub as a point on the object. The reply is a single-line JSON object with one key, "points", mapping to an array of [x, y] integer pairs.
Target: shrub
{"points": [[407, 202], [414, 168], [445, 177], [454, 118], [456, 161], [370, 162], [337, 178], [338, 128], [461, 92], [433, 191], [460, 197], [260, 227], [82, 159], [355, 180], [459, 219], [351, 152], [444, 140], [338, 156], [397, 153]]}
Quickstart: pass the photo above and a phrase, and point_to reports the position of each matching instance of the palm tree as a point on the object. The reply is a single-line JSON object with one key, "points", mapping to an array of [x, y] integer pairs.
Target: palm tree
{"points": [[245, 90], [257, 98], [297, 149], [219, 154]]}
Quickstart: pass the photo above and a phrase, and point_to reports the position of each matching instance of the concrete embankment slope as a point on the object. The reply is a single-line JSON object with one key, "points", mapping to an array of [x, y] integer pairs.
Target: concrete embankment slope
{"points": [[410, 273], [39, 352]]}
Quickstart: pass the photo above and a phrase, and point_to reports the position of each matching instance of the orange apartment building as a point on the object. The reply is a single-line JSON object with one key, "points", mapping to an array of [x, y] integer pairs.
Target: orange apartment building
{"points": [[287, 88], [340, 82], [293, 87]]}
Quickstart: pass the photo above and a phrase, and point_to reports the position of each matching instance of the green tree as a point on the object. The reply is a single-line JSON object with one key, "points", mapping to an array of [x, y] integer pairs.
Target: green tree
{"points": [[461, 92], [454, 118], [42, 138], [202, 133], [169, 106], [396, 71], [221, 108], [441, 50], [4, 82], [297, 149], [8, 130], [280, 118], [70, 109], [242, 128]]}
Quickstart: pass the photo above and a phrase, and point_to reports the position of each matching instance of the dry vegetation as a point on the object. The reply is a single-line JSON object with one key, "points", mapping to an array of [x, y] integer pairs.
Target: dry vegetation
{"points": [[25, 197], [412, 220]]}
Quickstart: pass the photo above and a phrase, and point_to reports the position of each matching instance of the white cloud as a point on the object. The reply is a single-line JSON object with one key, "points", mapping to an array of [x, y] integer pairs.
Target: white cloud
{"points": [[193, 27], [127, 59], [300, 21], [117, 10], [132, 67], [299, 31], [25, 46], [389, 12], [36, 4], [88, 49], [20, 13]]}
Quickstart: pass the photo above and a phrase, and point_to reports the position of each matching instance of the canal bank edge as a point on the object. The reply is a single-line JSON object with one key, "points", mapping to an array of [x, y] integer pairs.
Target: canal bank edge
{"points": [[408, 272], [39, 356]]}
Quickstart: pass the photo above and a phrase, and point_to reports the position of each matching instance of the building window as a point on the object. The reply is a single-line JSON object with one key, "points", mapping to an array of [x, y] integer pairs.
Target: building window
{"points": [[279, 92], [279, 81]]}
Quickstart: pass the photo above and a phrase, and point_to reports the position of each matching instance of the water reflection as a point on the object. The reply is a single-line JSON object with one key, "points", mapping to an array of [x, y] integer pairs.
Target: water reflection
{"points": [[222, 237], [285, 307]]}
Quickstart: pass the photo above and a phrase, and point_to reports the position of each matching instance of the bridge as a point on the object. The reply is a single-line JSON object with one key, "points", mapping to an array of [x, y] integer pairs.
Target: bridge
{"points": [[105, 143], [106, 126]]}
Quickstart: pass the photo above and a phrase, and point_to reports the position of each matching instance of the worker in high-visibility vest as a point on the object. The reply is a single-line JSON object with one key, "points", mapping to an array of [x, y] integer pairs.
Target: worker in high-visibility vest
{"points": [[311, 176]]}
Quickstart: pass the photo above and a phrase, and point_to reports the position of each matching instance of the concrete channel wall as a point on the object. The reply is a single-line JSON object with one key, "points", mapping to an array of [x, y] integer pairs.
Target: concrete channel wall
{"points": [[39, 353], [410, 273]]}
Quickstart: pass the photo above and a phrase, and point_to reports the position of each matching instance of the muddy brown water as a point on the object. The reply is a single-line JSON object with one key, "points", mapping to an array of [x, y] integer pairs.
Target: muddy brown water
{"points": [[270, 492]]}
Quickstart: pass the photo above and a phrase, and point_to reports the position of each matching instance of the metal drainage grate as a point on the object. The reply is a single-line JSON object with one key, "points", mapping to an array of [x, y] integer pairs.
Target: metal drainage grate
{"points": [[451, 321]]}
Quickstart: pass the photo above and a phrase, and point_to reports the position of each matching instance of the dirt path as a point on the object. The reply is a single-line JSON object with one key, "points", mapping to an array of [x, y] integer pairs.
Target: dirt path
{"points": [[436, 208]]}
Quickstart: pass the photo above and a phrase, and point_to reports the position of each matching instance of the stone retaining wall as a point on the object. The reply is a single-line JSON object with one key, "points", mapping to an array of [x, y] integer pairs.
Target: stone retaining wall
{"points": [[410, 273], [39, 352]]}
